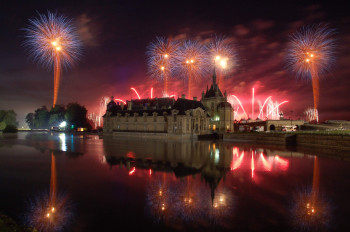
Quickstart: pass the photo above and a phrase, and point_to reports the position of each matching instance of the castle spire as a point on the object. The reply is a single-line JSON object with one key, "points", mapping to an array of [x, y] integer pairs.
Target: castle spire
{"points": [[214, 77]]}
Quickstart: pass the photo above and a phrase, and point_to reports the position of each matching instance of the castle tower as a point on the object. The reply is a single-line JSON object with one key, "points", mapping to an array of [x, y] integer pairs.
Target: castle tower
{"points": [[218, 108]]}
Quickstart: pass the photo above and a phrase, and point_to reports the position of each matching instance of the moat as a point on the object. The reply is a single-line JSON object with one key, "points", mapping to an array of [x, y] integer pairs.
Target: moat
{"points": [[95, 183]]}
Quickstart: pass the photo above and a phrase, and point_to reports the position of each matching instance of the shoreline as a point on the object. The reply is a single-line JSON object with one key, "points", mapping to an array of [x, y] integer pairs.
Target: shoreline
{"points": [[335, 145]]}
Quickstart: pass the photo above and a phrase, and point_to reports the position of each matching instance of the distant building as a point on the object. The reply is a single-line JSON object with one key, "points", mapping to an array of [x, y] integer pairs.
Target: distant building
{"points": [[167, 115], [269, 125]]}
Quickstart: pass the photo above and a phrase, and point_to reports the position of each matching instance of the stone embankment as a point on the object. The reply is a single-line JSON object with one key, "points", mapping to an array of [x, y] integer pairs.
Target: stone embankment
{"points": [[336, 142], [151, 135]]}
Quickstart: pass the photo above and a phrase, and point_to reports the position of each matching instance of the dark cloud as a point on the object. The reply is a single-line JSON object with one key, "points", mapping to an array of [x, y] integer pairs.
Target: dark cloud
{"points": [[86, 30], [241, 30], [261, 24]]}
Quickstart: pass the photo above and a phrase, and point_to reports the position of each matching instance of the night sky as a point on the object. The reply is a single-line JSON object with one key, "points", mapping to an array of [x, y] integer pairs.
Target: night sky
{"points": [[115, 35]]}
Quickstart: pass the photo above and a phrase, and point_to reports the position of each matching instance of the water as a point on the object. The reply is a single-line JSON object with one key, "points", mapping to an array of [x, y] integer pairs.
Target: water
{"points": [[86, 183]]}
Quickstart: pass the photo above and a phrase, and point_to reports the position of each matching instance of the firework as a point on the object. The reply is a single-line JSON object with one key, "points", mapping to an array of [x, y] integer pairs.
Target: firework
{"points": [[52, 42], [133, 89], [311, 114], [272, 108], [275, 109], [191, 62], [222, 56], [236, 115], [160, 55], [262, 107], [311, 54], [103, 107]]}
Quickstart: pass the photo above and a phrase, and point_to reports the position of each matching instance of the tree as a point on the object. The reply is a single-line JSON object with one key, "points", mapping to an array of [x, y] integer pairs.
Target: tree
{"points": [[30, 120], [41, 118], [2, 126], [57, 115], [10, 129], [8, 117], [76, 115]]}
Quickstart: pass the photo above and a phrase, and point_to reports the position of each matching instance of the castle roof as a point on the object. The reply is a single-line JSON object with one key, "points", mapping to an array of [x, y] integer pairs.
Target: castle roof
{"points": [[183, 105], [162, 103], [214, 90], [157, 105]]}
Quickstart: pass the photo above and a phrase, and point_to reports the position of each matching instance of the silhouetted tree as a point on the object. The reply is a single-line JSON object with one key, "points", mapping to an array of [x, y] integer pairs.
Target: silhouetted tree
{"points": [[9, 117], [41, 118], [30, 120], [57, 115], [76, 115]]}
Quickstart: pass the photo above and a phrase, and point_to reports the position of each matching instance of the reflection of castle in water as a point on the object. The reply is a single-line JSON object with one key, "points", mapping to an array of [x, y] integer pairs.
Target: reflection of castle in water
{"points": [[212, 160], [182, 158], [181, 195], [172, 201]]}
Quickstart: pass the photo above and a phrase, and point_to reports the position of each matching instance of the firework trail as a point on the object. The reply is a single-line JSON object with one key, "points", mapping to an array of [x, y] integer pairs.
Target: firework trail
{"points": [[311, 54], [191, 62], [133, 89], [52, 41], [276, 109], [221, 55], [160, 55], [103, 107], [311, 114], [262, 107], [231, 100]]}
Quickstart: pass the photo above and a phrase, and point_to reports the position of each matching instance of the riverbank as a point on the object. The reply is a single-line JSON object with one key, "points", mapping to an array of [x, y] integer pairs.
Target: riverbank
{"points": [[144, 135], [9, 225], [331, 142]]}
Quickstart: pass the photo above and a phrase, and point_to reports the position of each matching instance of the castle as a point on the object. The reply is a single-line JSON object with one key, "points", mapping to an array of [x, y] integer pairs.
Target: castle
{"points": [[166, 115]]}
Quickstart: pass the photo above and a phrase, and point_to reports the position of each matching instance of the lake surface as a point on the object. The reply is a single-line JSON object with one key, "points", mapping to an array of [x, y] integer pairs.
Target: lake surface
{"points": [[62, 182]]}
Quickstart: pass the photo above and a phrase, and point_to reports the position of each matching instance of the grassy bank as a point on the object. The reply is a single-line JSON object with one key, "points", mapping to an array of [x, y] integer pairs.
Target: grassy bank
{"points": [[9, 225]]}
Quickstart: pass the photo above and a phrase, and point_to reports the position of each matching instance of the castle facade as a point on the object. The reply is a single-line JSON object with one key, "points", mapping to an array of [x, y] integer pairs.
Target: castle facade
{"points": [[166, 115]]}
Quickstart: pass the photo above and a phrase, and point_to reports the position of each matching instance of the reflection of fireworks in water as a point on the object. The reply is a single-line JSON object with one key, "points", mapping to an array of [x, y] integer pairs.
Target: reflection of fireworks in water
{"points": [[311, 54], [159, 202], [311, 114], [47, 216], [52, 40], [190, 62], [161, 54], [257, 162], [189, 203], [221, 207], [310, 213]]}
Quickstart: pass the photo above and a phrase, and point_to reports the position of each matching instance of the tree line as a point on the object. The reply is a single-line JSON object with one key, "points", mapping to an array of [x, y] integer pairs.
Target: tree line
{"points": [[8, 121], [74, 114]]}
